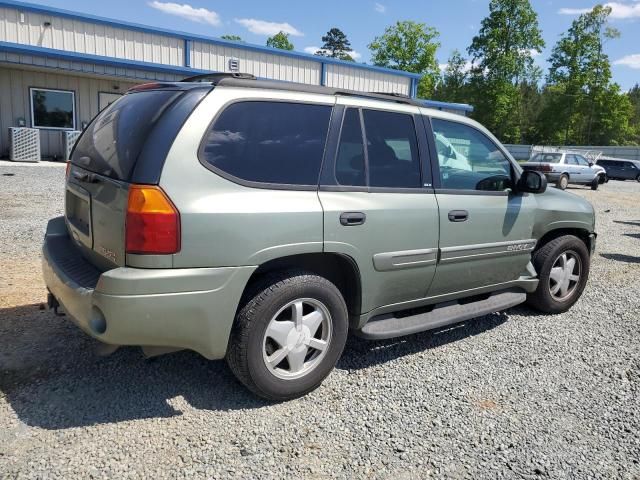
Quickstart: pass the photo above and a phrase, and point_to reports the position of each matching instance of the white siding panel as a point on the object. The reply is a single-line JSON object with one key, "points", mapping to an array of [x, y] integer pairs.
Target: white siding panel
{"points": [[339, 76], [89, 37], [207, 56]]}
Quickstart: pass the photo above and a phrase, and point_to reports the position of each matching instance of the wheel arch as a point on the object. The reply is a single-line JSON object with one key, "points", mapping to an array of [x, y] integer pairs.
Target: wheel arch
{"points": [[582, 233], [339, 269]]}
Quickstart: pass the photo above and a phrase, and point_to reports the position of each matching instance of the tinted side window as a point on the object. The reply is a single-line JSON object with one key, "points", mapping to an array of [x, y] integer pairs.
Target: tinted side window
{"points": [[392, 149], [350, 167], [582, 161], [571, 160], [269, 142], [468, 159]]}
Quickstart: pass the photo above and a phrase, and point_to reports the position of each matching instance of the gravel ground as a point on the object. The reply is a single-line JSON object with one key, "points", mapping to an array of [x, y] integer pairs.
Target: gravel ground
{"points": [[515, 395]]}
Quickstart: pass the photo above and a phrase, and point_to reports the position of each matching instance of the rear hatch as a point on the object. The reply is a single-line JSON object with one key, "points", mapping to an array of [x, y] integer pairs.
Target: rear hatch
{"points": [[126, 143]]}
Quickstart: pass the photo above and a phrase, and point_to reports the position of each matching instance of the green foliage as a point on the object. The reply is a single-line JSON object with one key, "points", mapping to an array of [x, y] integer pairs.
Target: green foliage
{"points": [[502, 58], [634, 98], [336, 45], [233, 38], [583, 105], [409, 46], [280, 40], [453, 86]]}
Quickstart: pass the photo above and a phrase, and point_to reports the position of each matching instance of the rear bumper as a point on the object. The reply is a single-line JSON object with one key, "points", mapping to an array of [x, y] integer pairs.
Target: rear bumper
{"points": [[190, 308]]}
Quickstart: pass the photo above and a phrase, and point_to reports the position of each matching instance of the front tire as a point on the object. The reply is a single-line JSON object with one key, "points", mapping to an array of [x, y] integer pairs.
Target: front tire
{"points": [[638, 178], [562, 182], [563, 269], [288, 335], [595, 183]]}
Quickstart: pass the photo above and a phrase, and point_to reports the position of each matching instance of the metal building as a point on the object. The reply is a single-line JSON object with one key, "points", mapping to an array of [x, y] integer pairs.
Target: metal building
{"points": [[59, 68]]}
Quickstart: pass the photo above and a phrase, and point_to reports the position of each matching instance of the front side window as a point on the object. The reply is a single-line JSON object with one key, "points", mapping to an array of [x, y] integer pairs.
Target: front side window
{"points": [[392, 149], [468, 159], [269, 142], [52, 109], [582, 161]]}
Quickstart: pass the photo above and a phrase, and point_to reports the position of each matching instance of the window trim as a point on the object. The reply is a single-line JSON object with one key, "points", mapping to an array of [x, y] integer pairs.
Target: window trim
{"points": [[435, 165], [264, 185], [57, 90], [328, 180]]}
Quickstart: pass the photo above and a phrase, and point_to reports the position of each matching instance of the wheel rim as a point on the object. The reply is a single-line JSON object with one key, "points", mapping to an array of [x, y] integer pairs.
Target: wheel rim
{"points": [[297, 338], [565, 275], [564, 182]]}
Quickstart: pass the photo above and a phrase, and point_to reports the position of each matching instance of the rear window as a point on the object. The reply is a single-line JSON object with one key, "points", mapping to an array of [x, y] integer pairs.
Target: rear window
{"points": [[112, 143], [268, 142], [547, 158]]}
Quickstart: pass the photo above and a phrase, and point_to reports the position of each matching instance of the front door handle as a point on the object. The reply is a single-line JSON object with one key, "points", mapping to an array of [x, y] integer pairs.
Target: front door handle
{"points": [[350, 219], [458, 215]]}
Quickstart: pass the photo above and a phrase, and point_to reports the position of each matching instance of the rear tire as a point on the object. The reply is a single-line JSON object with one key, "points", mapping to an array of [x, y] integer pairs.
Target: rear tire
{"points": [[563, 269], [288, 334], [562, 182]]}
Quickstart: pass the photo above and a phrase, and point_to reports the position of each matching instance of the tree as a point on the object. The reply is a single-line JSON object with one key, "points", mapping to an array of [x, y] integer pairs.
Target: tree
{"points": [[502, 57], [409, 46], [280, 40], [453, 86], [336, 45], [584, 106], [634, 98], [233, 38]]}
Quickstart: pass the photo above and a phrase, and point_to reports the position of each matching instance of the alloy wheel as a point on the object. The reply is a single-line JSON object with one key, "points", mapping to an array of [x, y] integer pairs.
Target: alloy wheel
{"points": [[297, 338], [565, 275]]}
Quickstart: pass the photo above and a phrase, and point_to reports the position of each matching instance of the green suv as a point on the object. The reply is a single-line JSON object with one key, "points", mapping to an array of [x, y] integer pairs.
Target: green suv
{"points": [[260, 221]]}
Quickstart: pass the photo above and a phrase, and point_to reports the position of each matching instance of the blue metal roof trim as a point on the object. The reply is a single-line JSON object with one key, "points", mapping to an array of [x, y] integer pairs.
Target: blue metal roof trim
{"points": [[98, 59], [190, 36], [451, 106]]}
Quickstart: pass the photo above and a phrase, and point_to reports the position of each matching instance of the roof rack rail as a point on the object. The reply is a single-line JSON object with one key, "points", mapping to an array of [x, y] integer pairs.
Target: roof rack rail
{"points": [[389, 97], [216, 77], [392, 94]]}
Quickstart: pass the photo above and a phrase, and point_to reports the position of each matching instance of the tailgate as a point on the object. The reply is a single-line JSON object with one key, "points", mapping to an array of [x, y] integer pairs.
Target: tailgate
{"points": [[104, 163], [95, 212]]}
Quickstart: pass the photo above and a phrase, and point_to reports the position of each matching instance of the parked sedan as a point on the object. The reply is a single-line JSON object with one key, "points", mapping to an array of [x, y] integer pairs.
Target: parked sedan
{"points": [[621, 169], [563, 168]]}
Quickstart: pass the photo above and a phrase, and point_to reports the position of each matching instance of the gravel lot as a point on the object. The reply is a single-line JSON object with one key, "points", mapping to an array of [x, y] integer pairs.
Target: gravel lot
{"points": [[515, 395]]}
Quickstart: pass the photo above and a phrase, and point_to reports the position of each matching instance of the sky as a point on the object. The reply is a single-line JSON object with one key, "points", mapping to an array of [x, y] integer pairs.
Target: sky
{"points": [[362, 20]]}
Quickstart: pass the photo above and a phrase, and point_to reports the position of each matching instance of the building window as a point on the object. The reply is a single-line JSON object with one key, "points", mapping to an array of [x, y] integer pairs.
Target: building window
{"points": [[53, 109]]}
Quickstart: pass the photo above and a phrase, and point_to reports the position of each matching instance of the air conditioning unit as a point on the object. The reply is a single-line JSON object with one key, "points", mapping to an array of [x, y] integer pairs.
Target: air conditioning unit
{"points": [[25, 144], [69, 139]]}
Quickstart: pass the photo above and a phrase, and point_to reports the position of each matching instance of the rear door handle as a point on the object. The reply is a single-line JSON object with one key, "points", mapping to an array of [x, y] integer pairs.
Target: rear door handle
{"points": [[350, 219], [458, 215]]}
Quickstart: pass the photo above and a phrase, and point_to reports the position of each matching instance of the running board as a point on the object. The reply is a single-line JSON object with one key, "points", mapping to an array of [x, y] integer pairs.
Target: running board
{"points": [[390, 326]]}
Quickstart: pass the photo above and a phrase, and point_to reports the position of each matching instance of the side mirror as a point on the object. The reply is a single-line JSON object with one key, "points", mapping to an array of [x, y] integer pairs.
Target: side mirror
{"points": [[591, 164], [532, 182]]}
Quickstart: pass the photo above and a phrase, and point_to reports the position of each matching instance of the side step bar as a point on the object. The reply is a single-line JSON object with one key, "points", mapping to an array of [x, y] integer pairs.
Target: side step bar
{"points": [[389, 326]]}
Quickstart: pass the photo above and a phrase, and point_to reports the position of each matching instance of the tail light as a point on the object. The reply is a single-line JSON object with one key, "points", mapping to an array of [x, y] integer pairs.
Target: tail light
{"points": [[153, 222], [66, 173], [545, 167]]}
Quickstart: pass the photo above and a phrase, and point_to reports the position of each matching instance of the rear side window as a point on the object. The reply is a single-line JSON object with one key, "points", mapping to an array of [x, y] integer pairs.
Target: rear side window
{"points": [[547, 158], [392, 149], [113, 141], [269, 142]]}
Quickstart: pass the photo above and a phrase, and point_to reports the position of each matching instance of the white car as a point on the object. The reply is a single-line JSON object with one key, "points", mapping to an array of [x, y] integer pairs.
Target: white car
{"points": [[563, 168]]}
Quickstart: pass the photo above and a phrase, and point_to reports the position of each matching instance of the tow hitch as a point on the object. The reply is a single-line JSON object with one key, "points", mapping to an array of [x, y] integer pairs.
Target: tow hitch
{"points": [[52, 303]]}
